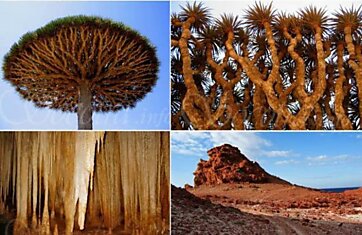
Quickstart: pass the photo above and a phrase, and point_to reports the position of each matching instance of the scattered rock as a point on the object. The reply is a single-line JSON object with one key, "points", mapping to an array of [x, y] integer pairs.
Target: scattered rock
{"points": [[229, 178]]}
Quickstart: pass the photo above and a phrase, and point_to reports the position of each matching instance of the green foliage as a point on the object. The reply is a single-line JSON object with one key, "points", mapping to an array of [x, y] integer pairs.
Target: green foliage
{"points": [[200, 13], [52, 27], [314, 17], [259, 14], [349, 18], [228, 23]]}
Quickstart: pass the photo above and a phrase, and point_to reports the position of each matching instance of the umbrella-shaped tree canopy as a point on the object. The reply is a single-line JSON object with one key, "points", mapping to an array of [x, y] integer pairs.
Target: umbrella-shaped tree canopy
{"points": [[82, 64]]}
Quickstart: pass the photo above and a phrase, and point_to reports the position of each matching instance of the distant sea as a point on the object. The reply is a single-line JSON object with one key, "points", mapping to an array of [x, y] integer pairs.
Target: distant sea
{"points": [[337, 190]]}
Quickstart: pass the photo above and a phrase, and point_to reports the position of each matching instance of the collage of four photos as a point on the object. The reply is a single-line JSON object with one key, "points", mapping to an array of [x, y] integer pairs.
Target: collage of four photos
{"points": [[181, 117]]}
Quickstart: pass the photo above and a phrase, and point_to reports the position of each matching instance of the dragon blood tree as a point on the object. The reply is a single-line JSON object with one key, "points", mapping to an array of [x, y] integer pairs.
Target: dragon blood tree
{"points": [[266, 69], [82, 64]]}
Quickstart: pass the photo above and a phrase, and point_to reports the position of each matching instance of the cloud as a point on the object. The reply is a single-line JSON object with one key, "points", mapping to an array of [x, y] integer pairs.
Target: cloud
{"points": [[319, 158], [327, 160], [279, 153], [189, 137], [189, 143], [187, 151], [251, 144], [342, 157], [197, 143], [286, 162]]}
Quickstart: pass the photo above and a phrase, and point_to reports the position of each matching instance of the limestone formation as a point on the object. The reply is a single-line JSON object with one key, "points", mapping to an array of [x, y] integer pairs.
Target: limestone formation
{"points": [[66, 181]]}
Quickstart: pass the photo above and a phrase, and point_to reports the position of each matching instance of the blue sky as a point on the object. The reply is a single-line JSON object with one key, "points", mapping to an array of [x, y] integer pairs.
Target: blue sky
{"points": [[313, 159], [151, 19]]}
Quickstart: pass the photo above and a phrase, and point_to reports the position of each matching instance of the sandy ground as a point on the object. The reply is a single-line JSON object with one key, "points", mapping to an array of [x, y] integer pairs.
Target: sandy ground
{"points": [[286, 200], [261, 209]]}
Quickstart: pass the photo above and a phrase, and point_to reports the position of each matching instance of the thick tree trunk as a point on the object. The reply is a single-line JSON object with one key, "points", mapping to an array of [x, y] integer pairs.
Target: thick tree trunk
{"points": [[85, 108]]}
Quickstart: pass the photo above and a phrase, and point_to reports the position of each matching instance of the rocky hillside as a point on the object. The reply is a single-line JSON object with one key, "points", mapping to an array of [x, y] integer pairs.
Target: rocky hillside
{"points": [[194, 215], [227, 164], [233, 195]]}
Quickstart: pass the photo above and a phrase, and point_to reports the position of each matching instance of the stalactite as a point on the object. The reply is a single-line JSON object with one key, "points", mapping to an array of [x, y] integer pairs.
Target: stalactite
{"points": [[23, 140], [6, 149], [46, 154], [34, 164], [84, 168], [113, 180]]}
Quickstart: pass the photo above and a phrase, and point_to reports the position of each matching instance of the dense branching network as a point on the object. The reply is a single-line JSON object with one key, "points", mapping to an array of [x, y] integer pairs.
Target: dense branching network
{"points": [[116, 64], [268, 70]]}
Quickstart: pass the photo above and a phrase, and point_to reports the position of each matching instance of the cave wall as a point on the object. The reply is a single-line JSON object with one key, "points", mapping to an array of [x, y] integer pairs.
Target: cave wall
{"points": [[85, 180]]}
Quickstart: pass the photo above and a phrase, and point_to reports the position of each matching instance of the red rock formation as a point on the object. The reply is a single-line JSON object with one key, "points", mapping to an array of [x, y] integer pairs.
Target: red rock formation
{"points": [[227, 164]]}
